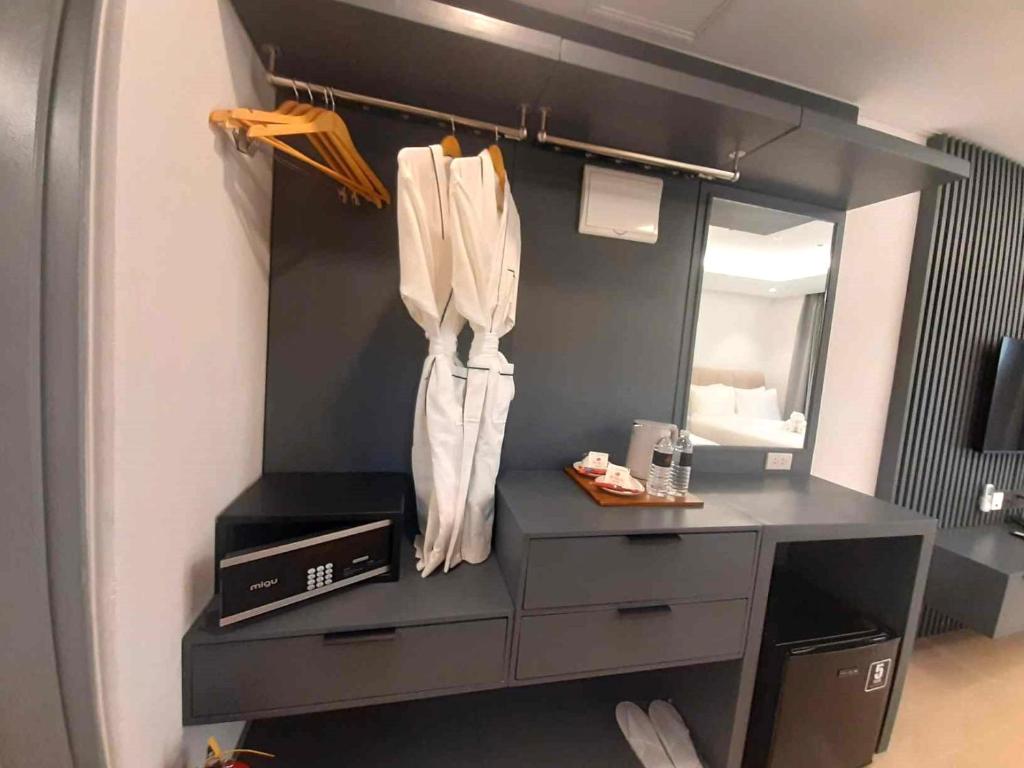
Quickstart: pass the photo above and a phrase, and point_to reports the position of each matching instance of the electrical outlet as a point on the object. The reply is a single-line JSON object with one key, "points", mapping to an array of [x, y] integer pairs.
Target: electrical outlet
{"points": [[985, 500], [779, 462]]}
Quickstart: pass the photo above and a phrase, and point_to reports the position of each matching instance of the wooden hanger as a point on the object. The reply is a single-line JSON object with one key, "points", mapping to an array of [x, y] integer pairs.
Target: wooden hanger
{"points": [[450, 146], [339, 145], [262, 116], [304, 121], [357, 183], [327, 133], [364, 166], [225, 120], [498, 161], [332, 129]]}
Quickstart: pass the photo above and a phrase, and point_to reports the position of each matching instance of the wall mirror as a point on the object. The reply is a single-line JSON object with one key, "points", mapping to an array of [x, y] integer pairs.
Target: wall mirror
{"points": [[759, 326]]}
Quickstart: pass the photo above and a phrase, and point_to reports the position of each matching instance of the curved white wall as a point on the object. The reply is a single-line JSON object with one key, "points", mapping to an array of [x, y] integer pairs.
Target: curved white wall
{"points": [[180, 287], [877, 245], [872, 288]]}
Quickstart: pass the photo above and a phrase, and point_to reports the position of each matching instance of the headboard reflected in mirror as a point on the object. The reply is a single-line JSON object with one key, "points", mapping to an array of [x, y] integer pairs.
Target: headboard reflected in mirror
{"points": [[731, 378]]}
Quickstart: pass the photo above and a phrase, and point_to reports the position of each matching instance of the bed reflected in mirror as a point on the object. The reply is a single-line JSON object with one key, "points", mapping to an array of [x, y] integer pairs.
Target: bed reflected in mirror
{"points": [[759, 323]]}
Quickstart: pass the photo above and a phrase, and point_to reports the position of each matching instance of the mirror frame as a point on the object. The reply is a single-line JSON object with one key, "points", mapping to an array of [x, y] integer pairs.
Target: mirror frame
{"points": [[751, 459]]}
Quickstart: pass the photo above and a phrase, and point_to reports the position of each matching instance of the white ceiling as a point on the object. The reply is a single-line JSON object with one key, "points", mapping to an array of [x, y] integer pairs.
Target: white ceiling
{"points": [[917, 66], [792, 262]]}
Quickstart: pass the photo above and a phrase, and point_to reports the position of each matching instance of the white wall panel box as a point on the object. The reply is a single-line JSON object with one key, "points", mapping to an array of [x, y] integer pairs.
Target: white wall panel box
{"points": [[620, 205]]}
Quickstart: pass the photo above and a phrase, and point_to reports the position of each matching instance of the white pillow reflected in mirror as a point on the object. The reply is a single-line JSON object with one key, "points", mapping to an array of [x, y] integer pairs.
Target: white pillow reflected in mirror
{"points": [[713, 400], [758, 403]]}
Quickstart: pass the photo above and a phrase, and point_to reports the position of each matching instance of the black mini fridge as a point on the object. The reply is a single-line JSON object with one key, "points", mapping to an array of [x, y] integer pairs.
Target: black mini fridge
{"points": [[822, 685]]}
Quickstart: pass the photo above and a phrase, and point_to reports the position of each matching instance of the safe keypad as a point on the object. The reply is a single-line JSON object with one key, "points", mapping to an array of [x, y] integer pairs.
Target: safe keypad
{"points": [[320, 576]]}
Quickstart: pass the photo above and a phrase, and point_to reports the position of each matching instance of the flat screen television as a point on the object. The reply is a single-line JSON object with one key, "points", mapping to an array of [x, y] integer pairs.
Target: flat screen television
{"points": [[1004, 423]]}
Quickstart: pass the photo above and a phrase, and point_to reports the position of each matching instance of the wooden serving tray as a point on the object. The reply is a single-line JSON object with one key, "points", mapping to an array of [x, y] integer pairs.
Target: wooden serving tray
{"points": [[606, 499]]}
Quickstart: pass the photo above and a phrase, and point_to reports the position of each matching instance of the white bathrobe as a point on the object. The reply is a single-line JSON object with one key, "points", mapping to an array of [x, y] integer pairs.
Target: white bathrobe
{"points": [[485, 282], [424, 244]]}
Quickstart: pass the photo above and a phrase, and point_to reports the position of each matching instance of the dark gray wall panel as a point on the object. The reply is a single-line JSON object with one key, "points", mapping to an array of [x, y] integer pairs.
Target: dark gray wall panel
{"points": [[964, 294], [684, 116], [597, 340], [599, 323], [602, 88], [343, 355], [838, 164], [579, 32], [384, 53]]}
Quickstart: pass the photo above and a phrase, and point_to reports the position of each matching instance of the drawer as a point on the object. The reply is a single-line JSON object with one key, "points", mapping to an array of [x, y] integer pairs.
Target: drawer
{"points": [[620, 569], [621, 638], [260, 675]]}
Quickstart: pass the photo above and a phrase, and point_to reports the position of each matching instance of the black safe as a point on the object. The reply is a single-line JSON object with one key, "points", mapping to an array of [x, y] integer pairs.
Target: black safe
{"points": [[294, 536]]}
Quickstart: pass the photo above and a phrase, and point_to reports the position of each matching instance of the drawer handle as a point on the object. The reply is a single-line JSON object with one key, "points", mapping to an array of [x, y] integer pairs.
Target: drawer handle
{"points": [[643, 610], [654, 538], [363, 636]]}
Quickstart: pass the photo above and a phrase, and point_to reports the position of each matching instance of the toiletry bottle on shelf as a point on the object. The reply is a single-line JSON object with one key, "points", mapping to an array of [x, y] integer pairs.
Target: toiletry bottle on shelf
{"points": [[659, 477], [682, 461]]}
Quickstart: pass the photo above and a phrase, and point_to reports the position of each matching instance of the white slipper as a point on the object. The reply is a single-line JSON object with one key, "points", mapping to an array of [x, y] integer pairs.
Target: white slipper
{"points": [[640, 733], [674, 735]]}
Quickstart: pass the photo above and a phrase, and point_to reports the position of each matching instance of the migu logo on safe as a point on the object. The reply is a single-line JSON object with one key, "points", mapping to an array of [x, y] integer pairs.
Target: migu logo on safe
{"points": [[263, 584]]}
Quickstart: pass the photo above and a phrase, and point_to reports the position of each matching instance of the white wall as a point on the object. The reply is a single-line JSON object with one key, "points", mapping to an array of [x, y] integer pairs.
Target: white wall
{"points": [[868, 314], [873, 271], [179, 300], [877, 246], [736, 330], [728, 330]]}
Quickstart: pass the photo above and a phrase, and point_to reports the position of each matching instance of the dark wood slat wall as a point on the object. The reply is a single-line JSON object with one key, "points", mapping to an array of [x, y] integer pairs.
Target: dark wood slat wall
{"points": [[967, 294]]}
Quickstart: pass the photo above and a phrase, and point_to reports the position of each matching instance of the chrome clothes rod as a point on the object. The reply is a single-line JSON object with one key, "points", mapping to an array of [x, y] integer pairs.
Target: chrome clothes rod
{"points": [[515, 134], [703, 171]]}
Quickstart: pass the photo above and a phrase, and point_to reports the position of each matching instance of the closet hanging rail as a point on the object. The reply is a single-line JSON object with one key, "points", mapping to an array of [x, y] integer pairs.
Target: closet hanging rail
{"points": [[703, 171], [514, 133]]}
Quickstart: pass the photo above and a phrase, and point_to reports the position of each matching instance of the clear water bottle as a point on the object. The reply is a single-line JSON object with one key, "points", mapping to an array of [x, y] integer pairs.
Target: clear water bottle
{"points": [[659, 477], [682, 462]]}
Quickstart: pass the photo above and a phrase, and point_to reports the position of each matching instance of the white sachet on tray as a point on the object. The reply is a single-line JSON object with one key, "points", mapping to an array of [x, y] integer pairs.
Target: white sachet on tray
{"points": [[618, 478], [595, 462]]}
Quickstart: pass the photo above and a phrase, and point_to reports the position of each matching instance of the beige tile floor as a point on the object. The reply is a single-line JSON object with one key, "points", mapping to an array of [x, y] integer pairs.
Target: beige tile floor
{"points": [[963, 705]]}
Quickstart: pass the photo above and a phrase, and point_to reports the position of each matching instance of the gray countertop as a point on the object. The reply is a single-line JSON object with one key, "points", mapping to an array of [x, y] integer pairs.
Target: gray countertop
{"points": [[547, 503], [990, 545], [791, 501]]}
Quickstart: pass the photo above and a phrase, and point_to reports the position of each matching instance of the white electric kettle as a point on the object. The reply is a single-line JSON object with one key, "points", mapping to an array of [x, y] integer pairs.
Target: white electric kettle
{"points": [[645, 435]]}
